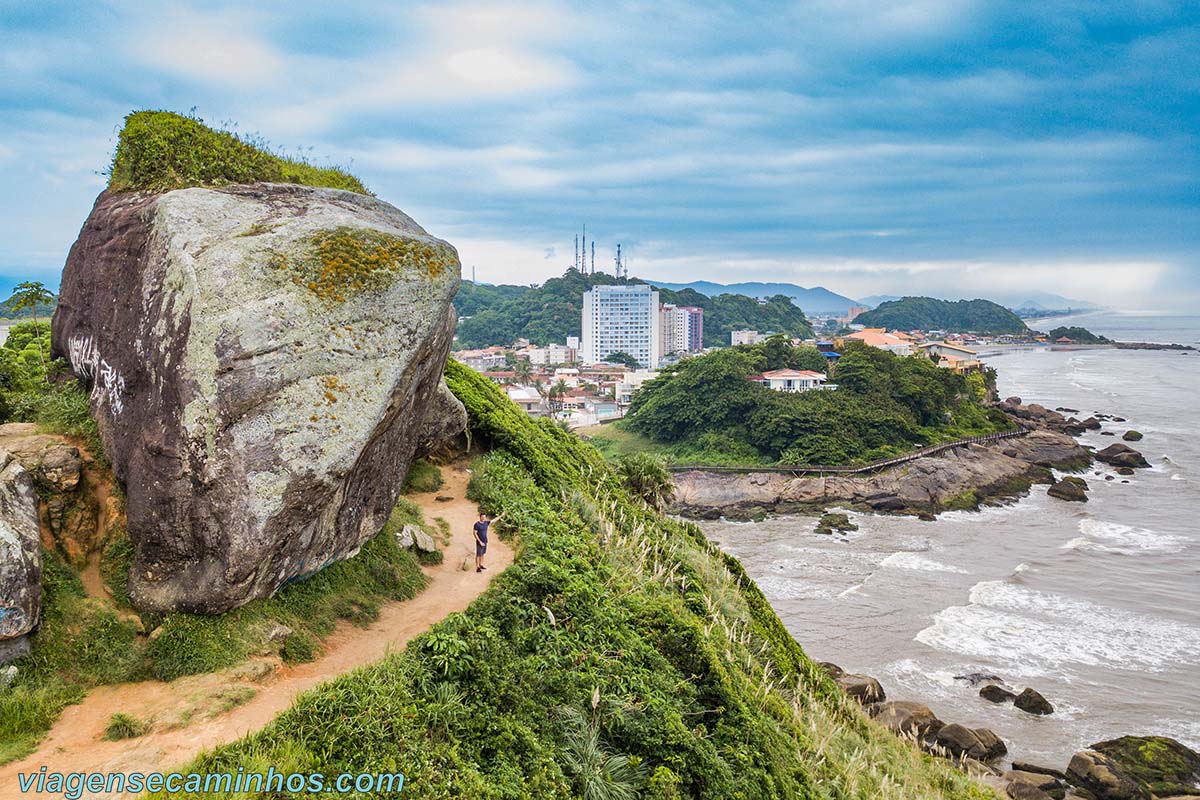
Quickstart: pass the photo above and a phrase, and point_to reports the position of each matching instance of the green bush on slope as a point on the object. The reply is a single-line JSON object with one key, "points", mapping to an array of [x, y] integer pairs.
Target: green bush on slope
{"points": [[687, 683], [159, 151]]}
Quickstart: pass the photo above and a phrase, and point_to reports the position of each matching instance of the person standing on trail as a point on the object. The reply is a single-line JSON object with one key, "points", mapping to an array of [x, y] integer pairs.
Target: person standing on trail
{"points": [[481, 539]]}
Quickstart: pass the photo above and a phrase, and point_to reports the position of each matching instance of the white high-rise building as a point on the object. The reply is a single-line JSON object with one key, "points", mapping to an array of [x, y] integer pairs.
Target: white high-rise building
{"points": [[621, 319]]}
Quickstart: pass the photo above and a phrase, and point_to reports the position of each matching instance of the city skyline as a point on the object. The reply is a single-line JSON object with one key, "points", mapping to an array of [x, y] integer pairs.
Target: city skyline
{"points": [[920, 147]]}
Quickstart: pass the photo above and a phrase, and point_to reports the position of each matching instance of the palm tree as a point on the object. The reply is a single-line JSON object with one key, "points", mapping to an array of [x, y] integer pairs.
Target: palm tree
{"points": [[522, 371], [559, 390], [29, 295], [647, 477]]}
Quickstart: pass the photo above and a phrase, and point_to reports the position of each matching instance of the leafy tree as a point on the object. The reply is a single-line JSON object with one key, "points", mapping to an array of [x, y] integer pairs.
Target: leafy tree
{"points": [[622, 358], [928, 313], [1080, 335], [28, 295]]}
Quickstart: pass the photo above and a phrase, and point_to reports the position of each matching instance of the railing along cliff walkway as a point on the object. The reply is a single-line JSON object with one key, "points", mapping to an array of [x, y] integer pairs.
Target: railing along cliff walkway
{"points": [[812, 469]]}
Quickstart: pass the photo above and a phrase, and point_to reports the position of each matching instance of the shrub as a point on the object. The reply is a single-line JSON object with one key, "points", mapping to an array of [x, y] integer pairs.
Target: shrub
{"points": [[298, 648], [122, 726], [422, 476]]}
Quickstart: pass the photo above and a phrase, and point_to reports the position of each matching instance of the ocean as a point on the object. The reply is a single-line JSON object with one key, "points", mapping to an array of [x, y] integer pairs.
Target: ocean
{"points": [[1096, 605]]}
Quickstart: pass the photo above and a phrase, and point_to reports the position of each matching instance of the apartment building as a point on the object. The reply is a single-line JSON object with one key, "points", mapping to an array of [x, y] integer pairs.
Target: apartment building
{"points": [[621, 319]]}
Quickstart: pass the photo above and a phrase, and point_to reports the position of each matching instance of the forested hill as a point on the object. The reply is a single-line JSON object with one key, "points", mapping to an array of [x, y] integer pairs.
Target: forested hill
{"points": [[930, 314], [498, 315]]}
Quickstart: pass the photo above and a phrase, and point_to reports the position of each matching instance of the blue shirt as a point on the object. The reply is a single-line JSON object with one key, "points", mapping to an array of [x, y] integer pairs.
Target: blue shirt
{"points": [[481, 529]]}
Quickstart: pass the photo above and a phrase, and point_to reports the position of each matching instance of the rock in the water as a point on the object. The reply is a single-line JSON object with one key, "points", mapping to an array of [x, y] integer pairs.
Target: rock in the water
{"points": [[959, 741], [1069, 490], [1101, 776], [996, 694], [1090, 424], [977, 678], [20, 558], [1031, 700], [1125, 471], [862, 688], [1122, 455], [1025, 766], [905, 718], [1018, 790], [264, 361], [1132, 436], [831, 522], [1161, 764]]}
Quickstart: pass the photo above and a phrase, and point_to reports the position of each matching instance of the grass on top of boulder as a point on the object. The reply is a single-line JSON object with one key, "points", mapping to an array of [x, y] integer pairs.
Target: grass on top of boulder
{"points": [[158, 151]]}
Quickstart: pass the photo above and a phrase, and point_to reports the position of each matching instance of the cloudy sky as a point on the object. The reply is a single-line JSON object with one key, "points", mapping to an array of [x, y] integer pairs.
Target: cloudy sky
{"points": [[909, 146]]}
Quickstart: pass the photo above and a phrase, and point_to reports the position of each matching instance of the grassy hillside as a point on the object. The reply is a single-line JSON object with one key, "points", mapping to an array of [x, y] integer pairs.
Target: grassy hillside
{"points": [[159, 151], [621, 656], [551, 312], [930, 314]]}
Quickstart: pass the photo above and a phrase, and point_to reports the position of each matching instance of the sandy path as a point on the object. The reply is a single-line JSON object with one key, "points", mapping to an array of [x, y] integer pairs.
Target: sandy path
{"points": [[74, 744]]}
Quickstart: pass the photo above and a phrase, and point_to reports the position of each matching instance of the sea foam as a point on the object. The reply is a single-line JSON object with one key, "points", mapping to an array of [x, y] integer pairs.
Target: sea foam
{"points": [[1112, 537], [1029, 629], [920, 563]]}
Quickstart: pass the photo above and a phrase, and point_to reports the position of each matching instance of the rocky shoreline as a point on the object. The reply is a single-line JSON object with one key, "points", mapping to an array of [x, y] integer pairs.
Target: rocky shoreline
{"points": [[1128, 768], [961, 478]]}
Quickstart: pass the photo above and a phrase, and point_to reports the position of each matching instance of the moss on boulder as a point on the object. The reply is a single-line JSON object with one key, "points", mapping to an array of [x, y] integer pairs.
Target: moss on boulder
{"points": [[1161, 764]]}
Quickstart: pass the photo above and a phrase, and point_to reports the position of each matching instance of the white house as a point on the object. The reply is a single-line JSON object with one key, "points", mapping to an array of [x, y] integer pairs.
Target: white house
{"points": [[746, 337], [528, 398], [791, 380]]}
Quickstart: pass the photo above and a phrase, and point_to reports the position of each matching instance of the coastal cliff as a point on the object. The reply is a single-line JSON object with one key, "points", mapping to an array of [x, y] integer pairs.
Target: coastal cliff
{"points": [[956, 478]]}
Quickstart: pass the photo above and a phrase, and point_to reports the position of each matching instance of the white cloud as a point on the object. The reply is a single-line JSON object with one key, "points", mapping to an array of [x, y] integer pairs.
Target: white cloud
{"points": [[218, 48]]}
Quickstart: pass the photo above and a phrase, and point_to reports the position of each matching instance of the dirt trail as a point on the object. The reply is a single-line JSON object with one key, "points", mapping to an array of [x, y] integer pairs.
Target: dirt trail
{"points": [[74, 744]]}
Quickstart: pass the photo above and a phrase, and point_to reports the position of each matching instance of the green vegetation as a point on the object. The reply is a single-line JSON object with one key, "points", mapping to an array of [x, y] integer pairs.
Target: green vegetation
{"points": [[84, 642], [345, 261], [623, 358], [499, 315], [885, 405], [1161, 764], [122, 726], [1078, 335], [929, 314], [647, 477], [158, 151], [423, 476], [621, 655]]}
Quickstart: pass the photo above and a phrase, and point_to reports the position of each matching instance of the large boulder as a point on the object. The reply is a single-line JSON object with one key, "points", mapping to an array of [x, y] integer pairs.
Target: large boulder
{"points": [[1031, 701], [1101, 776], [265, 360], [20, 558], [862, 688], [906, 718], [1161, 764], [959, 741], [1071, 490], [1122, 455]]}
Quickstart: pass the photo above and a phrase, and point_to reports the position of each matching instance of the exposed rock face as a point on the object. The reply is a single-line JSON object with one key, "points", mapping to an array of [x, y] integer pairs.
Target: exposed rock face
{"points": [[862, 688], [20, 558], [260, 393], [1132, 436], [924, 485], [1122, 455]]}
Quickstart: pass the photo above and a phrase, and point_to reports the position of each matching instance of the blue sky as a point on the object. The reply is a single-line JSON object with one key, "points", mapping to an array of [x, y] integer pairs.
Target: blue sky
{"points": [[921, 146]]}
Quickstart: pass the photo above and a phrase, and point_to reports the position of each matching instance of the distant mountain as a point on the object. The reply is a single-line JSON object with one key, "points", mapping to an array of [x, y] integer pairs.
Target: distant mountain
{"points": [[930, 314], [876, 299], [817, 300]]}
